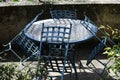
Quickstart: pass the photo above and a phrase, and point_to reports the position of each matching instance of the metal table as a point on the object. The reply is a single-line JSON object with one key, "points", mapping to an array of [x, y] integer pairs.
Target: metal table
{"points": [[78, 34]]}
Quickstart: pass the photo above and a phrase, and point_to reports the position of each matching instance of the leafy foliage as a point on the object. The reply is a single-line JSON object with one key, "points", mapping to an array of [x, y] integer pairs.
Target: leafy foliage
{"points": [[114, 54], [113, 33], [114, 51], [7, 72], [12, 72]]}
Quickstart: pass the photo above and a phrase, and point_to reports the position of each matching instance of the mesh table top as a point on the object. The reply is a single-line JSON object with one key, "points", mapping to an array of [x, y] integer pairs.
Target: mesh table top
{"points": [[78, 33]]}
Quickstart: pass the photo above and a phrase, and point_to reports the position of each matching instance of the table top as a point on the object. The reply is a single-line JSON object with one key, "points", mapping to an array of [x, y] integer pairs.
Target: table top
{"points": [[78, 33]]}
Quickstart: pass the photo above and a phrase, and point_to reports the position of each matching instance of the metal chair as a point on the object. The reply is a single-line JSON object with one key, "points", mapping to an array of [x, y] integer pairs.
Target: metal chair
{"points": [[69, 14], [28, 46], [95, 53], [87, 24], [21, 39], [99, 48], [57, 58]]}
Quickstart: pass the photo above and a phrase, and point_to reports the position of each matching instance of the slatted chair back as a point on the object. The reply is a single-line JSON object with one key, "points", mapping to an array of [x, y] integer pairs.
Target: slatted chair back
{"points": [[69, 14], [21, 40], [96, 51], [57, 39], [27, 44], [56, 34], [87, 24], [94, 55]]}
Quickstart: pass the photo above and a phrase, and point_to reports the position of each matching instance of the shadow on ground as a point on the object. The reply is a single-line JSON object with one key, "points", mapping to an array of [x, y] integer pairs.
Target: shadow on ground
{"points": [[83, 51]]}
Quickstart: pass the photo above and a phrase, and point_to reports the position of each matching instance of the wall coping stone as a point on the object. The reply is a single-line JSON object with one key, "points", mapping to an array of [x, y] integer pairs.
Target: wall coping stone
{"points": [[58, 2], [5, 4]]}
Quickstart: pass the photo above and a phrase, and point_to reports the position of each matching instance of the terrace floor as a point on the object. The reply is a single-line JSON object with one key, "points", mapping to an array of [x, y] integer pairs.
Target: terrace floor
{"points": [[84, 73]]}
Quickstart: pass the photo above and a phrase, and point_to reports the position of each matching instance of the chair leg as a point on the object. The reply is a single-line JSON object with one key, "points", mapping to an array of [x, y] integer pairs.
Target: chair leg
{"points": [[62, 77], [70, 76], [5, 50], [73, 63], [10, 49], [15, 54], [99, 74], [74, 67]]}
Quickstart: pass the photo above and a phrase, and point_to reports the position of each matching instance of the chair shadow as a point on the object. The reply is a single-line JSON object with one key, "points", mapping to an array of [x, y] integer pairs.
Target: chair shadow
{"points": [[85, 74], [83, 51]]}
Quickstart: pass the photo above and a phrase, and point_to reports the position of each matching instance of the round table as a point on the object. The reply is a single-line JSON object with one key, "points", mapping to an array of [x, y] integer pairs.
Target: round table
{"points": [[78, 33]]}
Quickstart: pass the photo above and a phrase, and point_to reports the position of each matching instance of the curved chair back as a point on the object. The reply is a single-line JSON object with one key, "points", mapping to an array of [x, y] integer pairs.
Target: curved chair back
{"points": [[97, 50], [69, 14], [94, 55], [21, 40], [27, 44]]}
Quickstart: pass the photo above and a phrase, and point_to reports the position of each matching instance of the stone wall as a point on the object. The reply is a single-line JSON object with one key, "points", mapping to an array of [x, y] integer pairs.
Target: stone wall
{"points": [[14, 18]]}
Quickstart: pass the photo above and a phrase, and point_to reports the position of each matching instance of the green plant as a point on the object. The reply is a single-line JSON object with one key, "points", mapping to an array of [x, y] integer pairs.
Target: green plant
{"points": [[42, 72], [113, 52], [7, 72], [111, 32], [16, 0], [12, 72], [114, 55]]}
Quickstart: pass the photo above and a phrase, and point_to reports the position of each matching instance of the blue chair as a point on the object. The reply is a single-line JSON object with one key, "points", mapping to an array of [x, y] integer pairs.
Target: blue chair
{"points": [[95, 53], [87, 24], [57, 58], [69, 14], [20, 39], [28, 46]]}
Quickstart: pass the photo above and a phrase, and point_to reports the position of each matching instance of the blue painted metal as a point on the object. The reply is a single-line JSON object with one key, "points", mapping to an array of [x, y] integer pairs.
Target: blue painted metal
{"points": [[95, 53], [86, 23], [97, 50], [57, 40], [28, 46], [19, 38], [69, 14]]}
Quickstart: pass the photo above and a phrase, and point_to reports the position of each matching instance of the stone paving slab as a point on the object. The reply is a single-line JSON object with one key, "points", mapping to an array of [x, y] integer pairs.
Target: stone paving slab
{"points": [[84, 73]]}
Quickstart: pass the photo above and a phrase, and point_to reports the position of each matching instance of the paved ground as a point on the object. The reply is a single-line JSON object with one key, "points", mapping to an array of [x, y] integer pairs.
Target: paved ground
{"points": [[84, 73]]}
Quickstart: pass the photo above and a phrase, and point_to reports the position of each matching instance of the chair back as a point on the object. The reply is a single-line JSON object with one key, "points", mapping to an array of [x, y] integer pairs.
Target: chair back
{"points": [[69, 14], [57, 38], [26, 44], [96, 50], [56, 34], [57, 57]]}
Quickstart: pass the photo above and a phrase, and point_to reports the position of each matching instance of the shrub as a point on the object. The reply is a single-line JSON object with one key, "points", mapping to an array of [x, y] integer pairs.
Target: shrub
{"points": [[113, 33], [113, 52], [114, 55], [12, 72]]}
